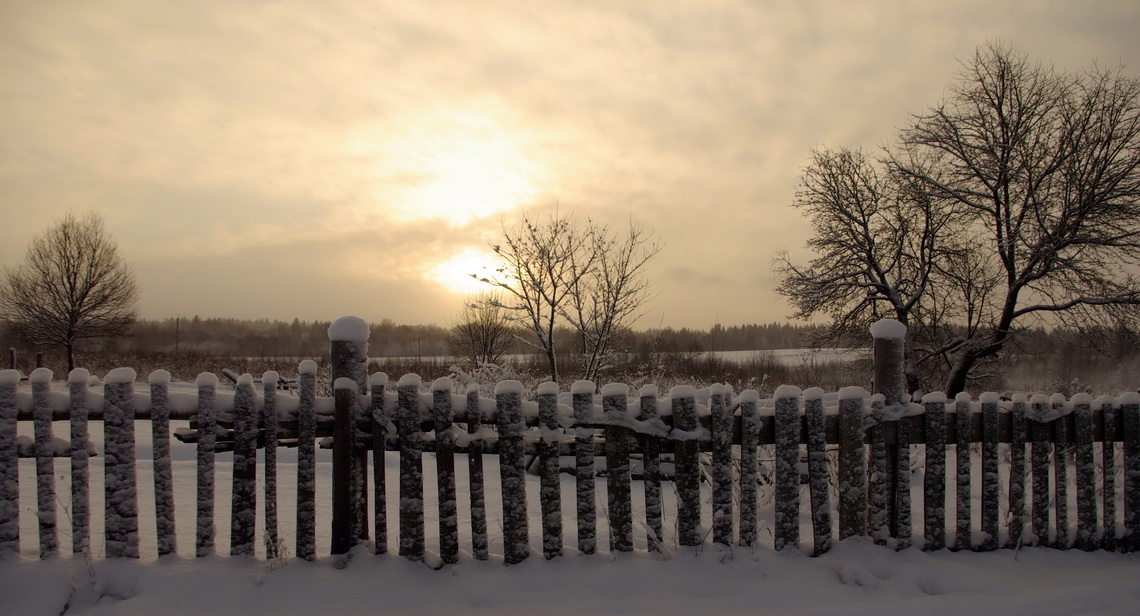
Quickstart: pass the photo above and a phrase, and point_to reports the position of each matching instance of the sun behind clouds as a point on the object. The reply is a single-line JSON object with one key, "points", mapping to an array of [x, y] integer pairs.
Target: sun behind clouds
{"points": [[456, 272]]}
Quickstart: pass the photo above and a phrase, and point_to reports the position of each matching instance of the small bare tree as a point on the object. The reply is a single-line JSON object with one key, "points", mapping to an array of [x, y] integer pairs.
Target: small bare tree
{"points": [[484, 333], [72, 285]]}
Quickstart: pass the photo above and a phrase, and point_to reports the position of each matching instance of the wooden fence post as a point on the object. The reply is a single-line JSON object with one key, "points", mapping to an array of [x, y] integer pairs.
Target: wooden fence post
{"points": [[686, 455], [1086, 471], [749, 466], [243, 506], [888, 344], [306, 461], [1061, 457], [720, 399], [1104, 406], [934, 481], [852, 463], [818, 474], [550, 490], [269, 421], [348, 358], [1130, 412], [474, 415], [163, 476], [377, 383], [121, 514], [45, 465], [651, 463], [964, 526], [1040, 450], [880, 493], [618, 492], [1017, 437], [445, 470], [508, 400], [78, 411], [991, 483], [207, 437], [411, 467], [9, 464], [582, 393], [787, 525]]}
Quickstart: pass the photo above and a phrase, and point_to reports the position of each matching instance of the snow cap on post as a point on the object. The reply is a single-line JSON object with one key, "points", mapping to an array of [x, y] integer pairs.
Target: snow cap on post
{"points": [[508, 387], [888, 328], [40, 375], [344, 383], [583, 387], [9, 377], [120, 375], [158, 377], [349, 328], [548, 388], [79, 375], [443, 383], [207, 379], [307, 366]]}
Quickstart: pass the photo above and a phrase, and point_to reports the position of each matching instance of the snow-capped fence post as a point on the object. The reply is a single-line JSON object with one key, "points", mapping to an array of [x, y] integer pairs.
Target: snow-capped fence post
{"points": [[550, 490], [888, 343], [348, 359], [1108, 463], [964, 521], [377, 383], [344, 397], [1130, 420], [788, 426], [9, 465], [720, 400], [1086, 471], [881, 480], [818, 474], [163, 475], [411, 467], [45, 464], [1017, 439], [934, 480], [1061, 445], [474, 415], [749, 466], [618, 492], [306, 461], [268, 424], [80, 467], [901, 473], [445, 470], [121, 513], [852, 464], [651, 465], [243, 506], [1040, 450], [582, 398], [991, 483], [686, 452], [508, 402], [207, 437]]}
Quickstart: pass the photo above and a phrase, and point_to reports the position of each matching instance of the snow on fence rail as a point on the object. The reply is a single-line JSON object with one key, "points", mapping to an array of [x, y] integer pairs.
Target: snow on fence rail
{"points": [[715, 432]]}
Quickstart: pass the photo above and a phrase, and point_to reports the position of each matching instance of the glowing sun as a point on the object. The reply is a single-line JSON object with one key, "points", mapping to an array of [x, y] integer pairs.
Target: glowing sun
{"points": [[456, 273]]}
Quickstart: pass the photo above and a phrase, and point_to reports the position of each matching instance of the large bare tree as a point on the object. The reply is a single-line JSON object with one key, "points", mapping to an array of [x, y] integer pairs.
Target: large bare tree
{"points": [[1045, 167], [72, 285]]}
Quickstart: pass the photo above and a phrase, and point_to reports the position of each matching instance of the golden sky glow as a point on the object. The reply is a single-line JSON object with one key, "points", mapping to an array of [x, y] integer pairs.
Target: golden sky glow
{"points": [[288, 159]]}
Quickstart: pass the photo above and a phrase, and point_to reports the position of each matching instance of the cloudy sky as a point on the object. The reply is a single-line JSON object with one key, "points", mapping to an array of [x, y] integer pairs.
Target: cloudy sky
{"points": [[316, 159]]}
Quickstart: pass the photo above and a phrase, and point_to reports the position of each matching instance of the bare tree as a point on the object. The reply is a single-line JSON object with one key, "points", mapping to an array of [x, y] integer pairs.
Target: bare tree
{"points": [[484, 333], [542, 265], [605, 304], [878, 243], [1046, 167], [72, 285]]}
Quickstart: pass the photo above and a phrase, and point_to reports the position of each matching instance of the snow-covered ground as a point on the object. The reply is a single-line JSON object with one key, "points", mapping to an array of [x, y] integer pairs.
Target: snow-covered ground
{"points": [[856, 577]]}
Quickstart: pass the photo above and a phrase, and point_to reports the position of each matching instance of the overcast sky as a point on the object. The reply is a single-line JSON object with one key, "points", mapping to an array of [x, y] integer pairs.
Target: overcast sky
{"points": [[318, 159]]}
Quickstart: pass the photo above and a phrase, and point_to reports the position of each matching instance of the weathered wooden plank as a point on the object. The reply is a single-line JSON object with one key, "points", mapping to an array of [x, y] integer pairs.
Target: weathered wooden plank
{"points": [[818, 472], [934, 481], [474, 415], [879, 491], [1085, 472], [1108, 465], [719, 399], [411, 468], [1018, 438], [1130, 415], [686, 451], [550, 487], [9, 464], [787, 494], [852, 464], [582, 397], [1061, 455], [1040, 453], [991, 482], [45, 463], [963, 515], [268, 424], [377, 383], [306, 462], [618, 490], [243, 507], [508, 401], [77, 381], [121, 511], [651, 463], [902, 510], [445, 471]]}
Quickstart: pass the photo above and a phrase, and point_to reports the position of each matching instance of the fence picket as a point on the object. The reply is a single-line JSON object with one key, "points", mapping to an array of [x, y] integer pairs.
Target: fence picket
{"points": [[934, 481], [1108, 464], [163, 474], [445, 471], [508, 400], [963, 529], [411, 468], [1085, 471], [1017, 438], [582, 396], [475, 477], [719, 401], [618, 493], [686, 462], [881, 475], [307, 462], [207, 437], [902, 521], [380, 419], [1061, 457], [1040, 453], [852, 464], [269, 425], [45, 464], [121, 512], [9, 464], [243, 506], [991, 483], [818, 473], [787, 531], [80, 464], [651, 463], [550, 487], [1130, 413]]}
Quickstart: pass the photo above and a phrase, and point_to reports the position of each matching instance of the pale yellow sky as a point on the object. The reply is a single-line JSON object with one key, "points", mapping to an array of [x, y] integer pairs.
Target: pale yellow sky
{"points": [[312, 160]]}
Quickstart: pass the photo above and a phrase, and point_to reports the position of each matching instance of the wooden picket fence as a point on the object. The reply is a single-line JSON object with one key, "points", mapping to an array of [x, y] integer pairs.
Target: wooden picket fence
{"points": [[715, 433]]}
